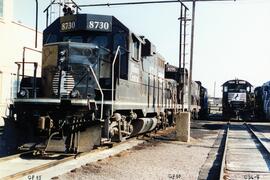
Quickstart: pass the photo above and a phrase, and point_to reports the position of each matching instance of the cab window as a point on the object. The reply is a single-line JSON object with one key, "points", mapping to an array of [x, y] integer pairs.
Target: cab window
{"points": [[99, 41], [73, 39], [135, 49]]}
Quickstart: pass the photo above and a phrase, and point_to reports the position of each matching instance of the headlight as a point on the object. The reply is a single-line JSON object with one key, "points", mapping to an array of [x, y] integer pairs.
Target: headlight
{"points": [[62, 59], [23, 93], [75, 94], [62, 55]]}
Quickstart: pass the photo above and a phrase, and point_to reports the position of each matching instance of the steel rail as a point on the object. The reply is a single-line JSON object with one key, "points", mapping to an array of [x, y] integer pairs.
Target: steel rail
{"points": [[7, 158], [257, 138], [50, 164], [37, 168], [45, 166], [223, 163], [254, 136]]}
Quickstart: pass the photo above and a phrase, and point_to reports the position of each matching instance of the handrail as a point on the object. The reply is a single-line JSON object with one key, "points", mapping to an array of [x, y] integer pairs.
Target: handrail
{"points": [[23, 58], [102, 95], [35, 76], [114, 59], [18, 77]]}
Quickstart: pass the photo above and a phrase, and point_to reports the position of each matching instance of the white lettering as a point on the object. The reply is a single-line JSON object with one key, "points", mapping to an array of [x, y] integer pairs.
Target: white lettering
{"points": [[68, 25], [99, 25]]}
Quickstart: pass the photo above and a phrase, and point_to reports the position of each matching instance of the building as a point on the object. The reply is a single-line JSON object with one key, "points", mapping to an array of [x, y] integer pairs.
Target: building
{"points": [[14, 37]]}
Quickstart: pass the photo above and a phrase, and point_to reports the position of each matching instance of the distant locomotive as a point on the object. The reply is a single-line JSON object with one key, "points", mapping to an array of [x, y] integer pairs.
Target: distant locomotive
{"points": [[203, 112], [262, 101], [237, 99], [99, 82], [199, 96]]}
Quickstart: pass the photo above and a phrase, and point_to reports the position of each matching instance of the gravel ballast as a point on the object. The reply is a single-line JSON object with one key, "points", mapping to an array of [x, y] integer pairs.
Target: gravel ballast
{"points": [[158, 158]]}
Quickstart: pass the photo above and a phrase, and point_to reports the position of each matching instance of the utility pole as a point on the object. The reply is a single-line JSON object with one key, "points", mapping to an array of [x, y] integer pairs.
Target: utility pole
{"points": [[191, 54], [180, 36], [184, 59], [36, 30], [192, 45], [182, 55]]}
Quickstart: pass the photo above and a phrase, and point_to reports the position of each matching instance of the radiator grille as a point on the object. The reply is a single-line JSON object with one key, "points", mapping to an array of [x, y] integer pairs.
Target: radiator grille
{"points": [[67, 83]]}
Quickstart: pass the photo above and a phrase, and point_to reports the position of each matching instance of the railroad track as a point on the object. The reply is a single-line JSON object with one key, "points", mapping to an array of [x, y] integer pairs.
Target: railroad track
{"points": [[246, 153], [27, 166], [24, 165], [19, 165], [14, 156]]}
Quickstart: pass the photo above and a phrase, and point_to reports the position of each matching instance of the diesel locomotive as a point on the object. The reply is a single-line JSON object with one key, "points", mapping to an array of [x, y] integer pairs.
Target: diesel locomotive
{"points": [[99, 82], [237, 100], [199, 95], [262, 101]]}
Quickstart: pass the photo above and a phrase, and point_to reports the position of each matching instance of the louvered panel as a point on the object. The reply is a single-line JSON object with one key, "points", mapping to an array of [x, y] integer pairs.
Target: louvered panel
{"points": [[67, 83]]}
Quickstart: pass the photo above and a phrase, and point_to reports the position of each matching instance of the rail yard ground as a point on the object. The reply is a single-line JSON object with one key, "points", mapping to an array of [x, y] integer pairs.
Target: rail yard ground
{"points": [[158, 156]]}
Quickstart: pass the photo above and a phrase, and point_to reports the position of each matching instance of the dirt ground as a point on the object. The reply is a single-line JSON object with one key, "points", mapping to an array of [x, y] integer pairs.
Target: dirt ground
{"points": [[159, 157]]}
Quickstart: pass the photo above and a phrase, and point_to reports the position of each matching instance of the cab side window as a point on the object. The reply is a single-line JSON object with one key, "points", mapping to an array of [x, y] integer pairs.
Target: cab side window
{"points": [[135, 49]]}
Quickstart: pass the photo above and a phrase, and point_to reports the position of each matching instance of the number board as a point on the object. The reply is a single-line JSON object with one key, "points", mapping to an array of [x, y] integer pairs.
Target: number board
{"points": [[86, 22], [170, 68], [68, 23], [99, 23]]}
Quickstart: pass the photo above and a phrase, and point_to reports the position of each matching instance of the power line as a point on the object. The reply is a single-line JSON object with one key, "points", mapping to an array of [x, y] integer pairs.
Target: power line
{"points": [[133, 3], [145, 2]]}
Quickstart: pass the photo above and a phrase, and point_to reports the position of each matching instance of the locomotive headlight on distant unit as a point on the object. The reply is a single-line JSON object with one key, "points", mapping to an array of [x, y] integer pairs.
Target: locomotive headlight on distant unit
{"points": [[74, 94]]}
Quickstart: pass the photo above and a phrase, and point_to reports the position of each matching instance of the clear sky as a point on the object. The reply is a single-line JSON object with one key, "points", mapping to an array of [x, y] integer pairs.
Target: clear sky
{"points": [[231, 38]]}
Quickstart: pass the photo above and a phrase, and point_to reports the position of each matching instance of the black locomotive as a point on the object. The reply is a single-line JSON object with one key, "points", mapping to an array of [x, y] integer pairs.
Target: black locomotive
{"points": [[262, 102], [100, 82], [237, 100], [203, 112], [199, 95]]}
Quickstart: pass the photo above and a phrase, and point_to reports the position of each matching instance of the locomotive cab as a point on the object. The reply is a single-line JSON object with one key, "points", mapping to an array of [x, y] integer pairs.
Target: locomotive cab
{"points": [[65, 107]]}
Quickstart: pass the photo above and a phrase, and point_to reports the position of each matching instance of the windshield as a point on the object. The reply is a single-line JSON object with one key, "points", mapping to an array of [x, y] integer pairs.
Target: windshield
{"points": [[237, 88], [81, 53], [81, 57]]}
